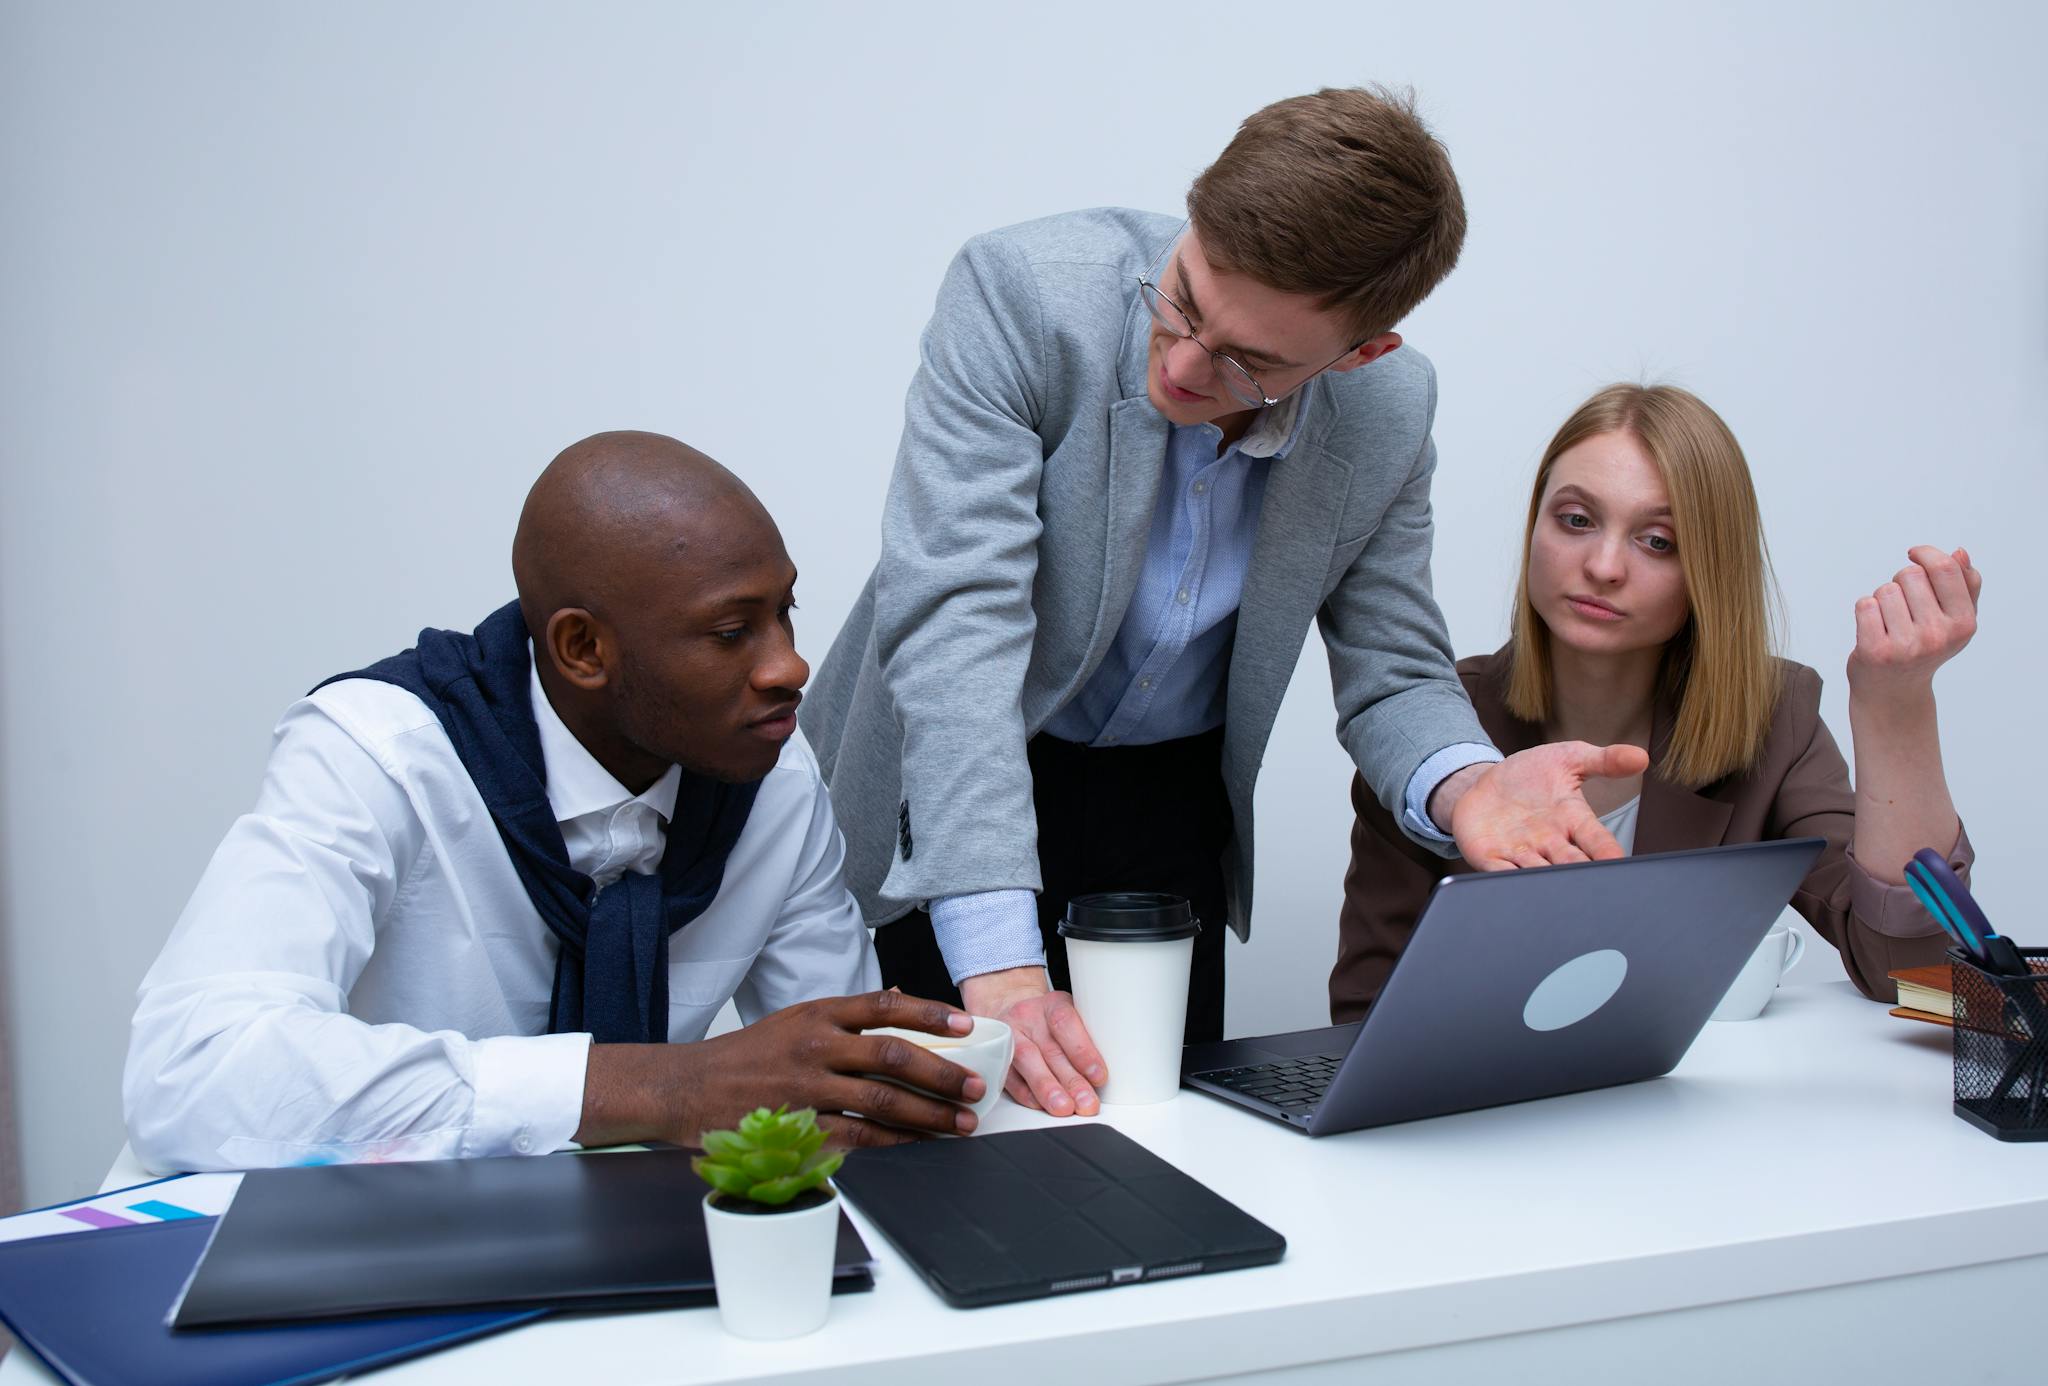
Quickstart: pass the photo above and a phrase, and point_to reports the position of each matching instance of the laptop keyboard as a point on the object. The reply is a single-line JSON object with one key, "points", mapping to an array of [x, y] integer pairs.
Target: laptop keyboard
{"points": [[1292, 1085]]}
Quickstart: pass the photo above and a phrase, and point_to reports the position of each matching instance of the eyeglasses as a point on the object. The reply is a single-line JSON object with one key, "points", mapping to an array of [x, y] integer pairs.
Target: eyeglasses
{"points": [[1244, 387]]}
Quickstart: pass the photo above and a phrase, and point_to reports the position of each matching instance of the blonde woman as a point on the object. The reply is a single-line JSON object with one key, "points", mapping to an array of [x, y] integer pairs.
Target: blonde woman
{"points": [[1642, 618]]}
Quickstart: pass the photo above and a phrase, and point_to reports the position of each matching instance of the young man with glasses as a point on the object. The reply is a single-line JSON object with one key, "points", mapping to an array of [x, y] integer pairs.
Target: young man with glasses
{"points": [[1140, 457]]}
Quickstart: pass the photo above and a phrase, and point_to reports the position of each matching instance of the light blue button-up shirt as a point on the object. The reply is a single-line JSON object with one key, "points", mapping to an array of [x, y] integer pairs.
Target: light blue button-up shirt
{"points": [[1166, 675]]}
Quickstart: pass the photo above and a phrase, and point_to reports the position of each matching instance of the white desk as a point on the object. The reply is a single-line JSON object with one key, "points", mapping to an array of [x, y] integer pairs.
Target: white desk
{"points": [[1795, 1202]]}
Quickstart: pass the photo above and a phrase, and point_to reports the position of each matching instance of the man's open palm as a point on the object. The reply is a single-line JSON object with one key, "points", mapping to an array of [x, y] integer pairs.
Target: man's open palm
{"points": [[1531, 809]]}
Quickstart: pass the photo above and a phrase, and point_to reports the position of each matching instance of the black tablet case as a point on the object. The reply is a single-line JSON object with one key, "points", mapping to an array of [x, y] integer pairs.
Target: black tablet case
{"points": [[599, 1231], [1022, 1214]]}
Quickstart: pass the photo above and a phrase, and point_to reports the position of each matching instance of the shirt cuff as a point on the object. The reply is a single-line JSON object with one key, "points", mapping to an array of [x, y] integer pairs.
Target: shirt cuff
{"points": [[529, 1093], [1433, 772], [987, 932]]}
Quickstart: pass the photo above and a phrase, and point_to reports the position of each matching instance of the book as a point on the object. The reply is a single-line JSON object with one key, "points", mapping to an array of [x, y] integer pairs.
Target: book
{"points": [[1926, 993]]}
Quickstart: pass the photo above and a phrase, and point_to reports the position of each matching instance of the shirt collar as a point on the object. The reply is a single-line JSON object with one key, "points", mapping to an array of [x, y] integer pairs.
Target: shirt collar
{"points": [[1274, 432], [577, 784]]}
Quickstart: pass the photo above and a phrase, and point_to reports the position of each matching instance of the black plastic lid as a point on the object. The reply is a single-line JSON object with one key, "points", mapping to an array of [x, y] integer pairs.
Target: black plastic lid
{"points": [[1129, 916]]}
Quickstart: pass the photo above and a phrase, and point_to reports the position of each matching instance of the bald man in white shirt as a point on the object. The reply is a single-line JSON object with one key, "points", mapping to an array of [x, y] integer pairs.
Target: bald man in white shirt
{"points": [[485, 879]]}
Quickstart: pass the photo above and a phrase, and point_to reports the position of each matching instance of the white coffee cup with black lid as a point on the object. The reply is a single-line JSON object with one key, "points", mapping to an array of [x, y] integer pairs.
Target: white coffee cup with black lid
{"points": [[1129, 953]]}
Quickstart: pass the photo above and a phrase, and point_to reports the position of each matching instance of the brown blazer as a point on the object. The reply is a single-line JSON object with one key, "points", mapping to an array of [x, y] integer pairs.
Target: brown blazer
{"points": [[1798, 788]]}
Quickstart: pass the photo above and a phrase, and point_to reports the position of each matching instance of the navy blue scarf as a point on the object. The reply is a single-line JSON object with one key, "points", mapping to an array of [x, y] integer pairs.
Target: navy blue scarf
{"points": [[611, 976]]}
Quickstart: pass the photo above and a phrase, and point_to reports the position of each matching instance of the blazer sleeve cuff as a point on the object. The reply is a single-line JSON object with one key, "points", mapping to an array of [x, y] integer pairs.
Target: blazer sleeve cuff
{"points": [[1893, 910]]}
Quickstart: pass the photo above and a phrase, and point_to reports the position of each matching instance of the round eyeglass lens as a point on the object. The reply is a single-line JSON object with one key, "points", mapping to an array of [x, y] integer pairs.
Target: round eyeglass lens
{"points": [[1166, 314], [1238, 380]]}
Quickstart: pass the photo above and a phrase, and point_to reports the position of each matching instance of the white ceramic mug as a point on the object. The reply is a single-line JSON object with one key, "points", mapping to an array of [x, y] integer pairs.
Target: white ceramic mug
{"points": [[985, 1050], [1751, 991]]}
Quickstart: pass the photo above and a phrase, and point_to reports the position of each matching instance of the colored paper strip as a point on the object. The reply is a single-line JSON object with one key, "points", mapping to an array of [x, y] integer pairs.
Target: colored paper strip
{"points": [[93, 1217], [157, 1208]]}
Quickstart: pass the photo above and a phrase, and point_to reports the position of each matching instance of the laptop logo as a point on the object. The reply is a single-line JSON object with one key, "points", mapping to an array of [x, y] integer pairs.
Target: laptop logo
{"points": [[1575, 990]]}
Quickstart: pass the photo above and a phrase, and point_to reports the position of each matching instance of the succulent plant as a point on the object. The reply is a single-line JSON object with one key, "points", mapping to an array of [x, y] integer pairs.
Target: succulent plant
{"points": [[770, 1159]]}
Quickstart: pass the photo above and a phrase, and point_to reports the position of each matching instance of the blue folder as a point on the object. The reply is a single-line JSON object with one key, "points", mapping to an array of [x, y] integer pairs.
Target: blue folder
{"points": [[92, 1306]]}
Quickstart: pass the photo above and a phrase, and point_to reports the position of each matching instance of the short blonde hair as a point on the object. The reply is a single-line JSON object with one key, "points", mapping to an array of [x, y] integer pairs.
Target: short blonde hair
{"points": [[1721, 669]]}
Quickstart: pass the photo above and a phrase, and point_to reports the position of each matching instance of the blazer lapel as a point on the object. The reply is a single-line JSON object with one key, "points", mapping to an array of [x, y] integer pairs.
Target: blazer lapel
{"points": [[1488, 691], [1283, 586], [1137, 461], [1673, 818]]}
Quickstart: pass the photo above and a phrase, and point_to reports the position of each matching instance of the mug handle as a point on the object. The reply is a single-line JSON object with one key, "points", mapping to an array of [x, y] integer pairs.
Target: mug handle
{"points": [[1797, 952]]}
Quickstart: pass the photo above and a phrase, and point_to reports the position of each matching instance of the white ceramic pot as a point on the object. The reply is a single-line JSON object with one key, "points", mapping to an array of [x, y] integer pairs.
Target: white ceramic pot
{"points": [[774, 1270]]}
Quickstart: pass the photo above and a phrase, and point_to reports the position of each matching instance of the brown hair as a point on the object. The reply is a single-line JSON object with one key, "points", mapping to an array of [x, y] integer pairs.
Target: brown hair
{"points": [[1720, 669], [1344, 195]]}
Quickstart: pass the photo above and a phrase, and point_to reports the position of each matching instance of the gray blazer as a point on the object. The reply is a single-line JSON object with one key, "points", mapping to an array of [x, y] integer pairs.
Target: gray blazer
{"points": [[1012, 537]]}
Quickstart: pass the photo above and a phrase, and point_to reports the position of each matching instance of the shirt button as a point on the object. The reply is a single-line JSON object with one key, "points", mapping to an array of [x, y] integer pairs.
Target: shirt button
{"points": [[1200, 487], [1181, 596], [1144, 683], [523, 1143]]}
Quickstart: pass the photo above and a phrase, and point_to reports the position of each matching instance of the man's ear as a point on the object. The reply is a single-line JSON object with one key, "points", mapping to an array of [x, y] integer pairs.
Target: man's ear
{"points": [[581, 647], [1372, 349]]}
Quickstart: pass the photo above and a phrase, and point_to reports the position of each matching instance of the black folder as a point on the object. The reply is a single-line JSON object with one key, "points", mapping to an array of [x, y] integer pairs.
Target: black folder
{"points": [[599, 1231], [1021, 1214]]}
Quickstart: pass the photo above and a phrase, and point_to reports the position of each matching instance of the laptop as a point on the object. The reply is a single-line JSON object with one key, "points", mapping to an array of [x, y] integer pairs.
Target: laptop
{"points": [[1525, 984], [600, 1230]]}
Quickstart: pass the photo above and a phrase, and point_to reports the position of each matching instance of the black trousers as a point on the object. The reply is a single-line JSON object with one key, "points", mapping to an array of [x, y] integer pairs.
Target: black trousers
{"points": [[1109, 818]]}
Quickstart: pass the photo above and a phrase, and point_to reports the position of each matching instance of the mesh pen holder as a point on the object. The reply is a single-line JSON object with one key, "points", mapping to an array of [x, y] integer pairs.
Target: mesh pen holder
{"points": [[2001, 1046]]}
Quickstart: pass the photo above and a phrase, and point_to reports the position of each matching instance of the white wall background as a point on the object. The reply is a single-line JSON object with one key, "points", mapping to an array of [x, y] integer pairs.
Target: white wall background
{"points": [[296, 301]]}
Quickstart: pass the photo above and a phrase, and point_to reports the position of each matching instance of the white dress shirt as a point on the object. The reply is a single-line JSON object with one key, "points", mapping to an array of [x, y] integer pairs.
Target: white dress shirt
{"points": [[360, 975]]}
